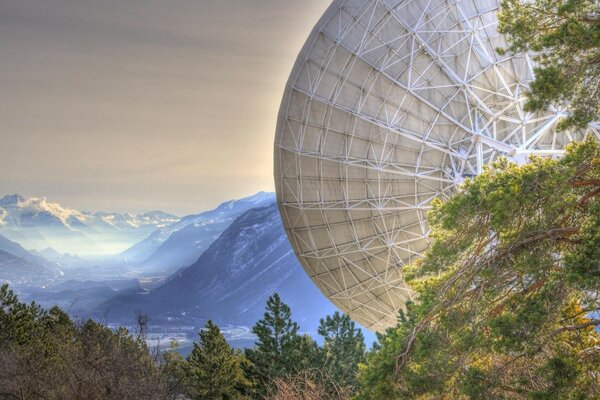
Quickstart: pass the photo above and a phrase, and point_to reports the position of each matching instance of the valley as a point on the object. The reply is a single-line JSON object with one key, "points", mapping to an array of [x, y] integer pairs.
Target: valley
{"points": [[220, 264]]}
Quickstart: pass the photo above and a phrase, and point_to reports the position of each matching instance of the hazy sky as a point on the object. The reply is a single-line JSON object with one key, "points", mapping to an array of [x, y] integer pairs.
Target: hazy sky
{"points": [[134, 105]]}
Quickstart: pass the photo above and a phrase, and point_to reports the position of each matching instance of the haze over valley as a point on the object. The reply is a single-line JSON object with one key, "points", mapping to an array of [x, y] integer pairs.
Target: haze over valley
{"points": [[40, 225], [220, 264]]}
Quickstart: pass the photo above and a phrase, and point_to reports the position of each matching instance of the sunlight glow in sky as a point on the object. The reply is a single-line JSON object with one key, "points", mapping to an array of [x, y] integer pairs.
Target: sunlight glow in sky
{"points": [[136, 105]]}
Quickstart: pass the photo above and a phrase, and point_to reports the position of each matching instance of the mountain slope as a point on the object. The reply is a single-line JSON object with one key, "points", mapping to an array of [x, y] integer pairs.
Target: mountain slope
{"points": [[232, 279], [17, 250], [179, 245], [37, 224], [15, 269], [79, 297]]}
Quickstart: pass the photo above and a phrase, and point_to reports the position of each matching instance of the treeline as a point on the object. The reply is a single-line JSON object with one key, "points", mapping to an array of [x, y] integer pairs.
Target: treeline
{"points": [[508, 308], [508, 293], [46, 355]]}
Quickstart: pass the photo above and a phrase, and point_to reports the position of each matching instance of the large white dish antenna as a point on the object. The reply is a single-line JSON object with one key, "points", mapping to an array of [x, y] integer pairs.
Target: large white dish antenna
{"points": [[390, 105]]}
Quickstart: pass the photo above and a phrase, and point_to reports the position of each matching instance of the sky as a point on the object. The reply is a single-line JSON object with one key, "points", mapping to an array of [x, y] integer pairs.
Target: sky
{"points": [[138, 105]]}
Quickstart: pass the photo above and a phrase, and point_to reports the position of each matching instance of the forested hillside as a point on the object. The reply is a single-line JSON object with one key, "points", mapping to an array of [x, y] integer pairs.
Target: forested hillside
{"points": [[46, 355]]}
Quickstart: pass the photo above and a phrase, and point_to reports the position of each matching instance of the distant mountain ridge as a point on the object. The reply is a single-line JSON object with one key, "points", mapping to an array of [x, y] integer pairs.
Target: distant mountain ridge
{"points": [[17, 250], [38, 224], [161, 242], [180, 244], [14, 269], [231, 281]]}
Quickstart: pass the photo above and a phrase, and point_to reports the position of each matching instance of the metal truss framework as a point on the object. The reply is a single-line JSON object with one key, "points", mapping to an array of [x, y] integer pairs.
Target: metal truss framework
{"points": [[390, 105]]}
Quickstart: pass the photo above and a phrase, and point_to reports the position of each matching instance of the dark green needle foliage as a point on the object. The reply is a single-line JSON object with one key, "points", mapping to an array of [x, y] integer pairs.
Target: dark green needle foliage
{"points": [[343, 349], [45, 355], [214, 371], [509, 292], [280, 350], [565, 38]]}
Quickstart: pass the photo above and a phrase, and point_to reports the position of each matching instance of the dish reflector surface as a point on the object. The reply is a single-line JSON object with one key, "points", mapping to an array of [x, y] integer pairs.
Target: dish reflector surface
{"points": [[391, 104]]}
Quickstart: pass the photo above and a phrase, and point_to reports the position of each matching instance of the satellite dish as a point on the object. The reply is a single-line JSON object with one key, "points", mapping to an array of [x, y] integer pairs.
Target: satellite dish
{"points": [[391, 104]]}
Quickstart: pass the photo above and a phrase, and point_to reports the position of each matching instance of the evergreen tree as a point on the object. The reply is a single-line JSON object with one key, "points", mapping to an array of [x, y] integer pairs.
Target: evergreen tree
{"points": [[43, 354], [343, 349], [174, 368], [508, 293], [214, 370], [565, 36], [280, 350], [23, 324]]}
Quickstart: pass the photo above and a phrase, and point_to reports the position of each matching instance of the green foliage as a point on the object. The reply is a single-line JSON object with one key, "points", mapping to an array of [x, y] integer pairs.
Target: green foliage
{"points": [[343, 349], [22, 324], [173, 369], [214, 371], [509, 291], [280, 351], [565, 35], [43, 354]]}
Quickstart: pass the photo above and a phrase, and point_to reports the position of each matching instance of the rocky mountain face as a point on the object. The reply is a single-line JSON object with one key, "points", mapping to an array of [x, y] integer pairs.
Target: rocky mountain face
{"points": [[39, 224], [180, 244], [231, 281]]}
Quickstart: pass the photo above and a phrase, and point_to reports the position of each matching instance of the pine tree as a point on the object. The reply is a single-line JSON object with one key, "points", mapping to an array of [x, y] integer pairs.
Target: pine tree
{"points": [[43, 354], [565, 37], [343, 349], [508, 293], [215, 371], [280, 350]]}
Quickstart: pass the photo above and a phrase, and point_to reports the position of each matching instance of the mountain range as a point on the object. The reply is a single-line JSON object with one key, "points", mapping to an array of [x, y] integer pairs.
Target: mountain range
{"points": [[180, 244], [17, 265], [231, 281], [39, 224], [15, 269], [221, 264]]}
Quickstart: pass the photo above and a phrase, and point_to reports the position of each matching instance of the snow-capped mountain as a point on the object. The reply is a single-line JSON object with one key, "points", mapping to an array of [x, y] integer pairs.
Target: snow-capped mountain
{"points": [[37, 223], [180, 244], [232, 280], [149, 220]]}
